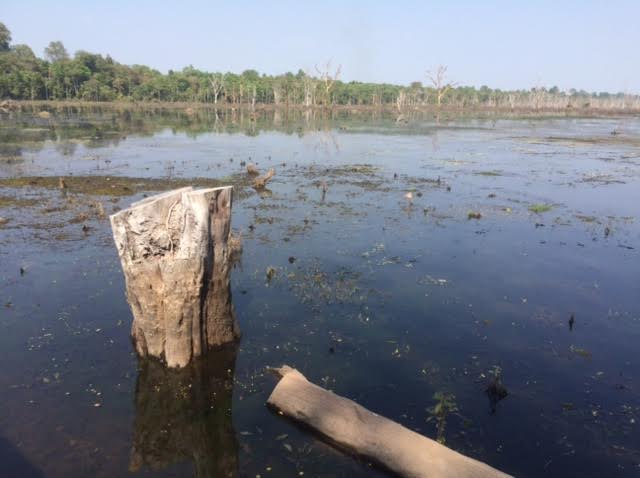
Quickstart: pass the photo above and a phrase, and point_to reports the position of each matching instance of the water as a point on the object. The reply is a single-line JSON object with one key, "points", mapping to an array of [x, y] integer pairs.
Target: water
{"points": [[384, 300]]}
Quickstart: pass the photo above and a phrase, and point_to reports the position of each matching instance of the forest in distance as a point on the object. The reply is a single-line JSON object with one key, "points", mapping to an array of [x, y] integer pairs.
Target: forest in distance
{"points": [[92, 77]]}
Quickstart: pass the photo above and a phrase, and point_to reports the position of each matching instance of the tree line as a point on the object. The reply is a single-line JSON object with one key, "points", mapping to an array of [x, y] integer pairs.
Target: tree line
{"points": [[93, 77]]}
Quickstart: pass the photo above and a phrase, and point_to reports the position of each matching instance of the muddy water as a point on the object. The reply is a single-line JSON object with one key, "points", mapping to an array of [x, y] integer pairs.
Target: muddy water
{"points": [[409, 306]]}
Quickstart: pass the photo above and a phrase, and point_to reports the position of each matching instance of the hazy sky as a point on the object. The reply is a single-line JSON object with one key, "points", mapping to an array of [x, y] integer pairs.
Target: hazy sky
{"points": [[591, 45]]}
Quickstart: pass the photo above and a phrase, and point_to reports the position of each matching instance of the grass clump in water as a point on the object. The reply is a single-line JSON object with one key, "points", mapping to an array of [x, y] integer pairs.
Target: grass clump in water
{"points": [[540, 208], [444, 406]]}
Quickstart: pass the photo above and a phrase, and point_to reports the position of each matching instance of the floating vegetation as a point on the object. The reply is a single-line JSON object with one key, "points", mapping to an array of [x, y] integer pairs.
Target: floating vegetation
{"points": [[122, 186], [584, 353], [315, 286], [428, 280], [540, 208], [17, 202], [353, 169], [587, 219], [631, 140], [600, 178], [474, 215], [445, 405]]}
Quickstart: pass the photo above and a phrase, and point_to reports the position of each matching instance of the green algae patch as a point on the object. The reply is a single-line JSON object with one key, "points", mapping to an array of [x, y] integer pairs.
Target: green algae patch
{"points": [[540, 208]]}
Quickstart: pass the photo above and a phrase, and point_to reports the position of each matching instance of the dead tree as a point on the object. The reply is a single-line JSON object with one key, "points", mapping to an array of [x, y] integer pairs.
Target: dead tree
{"points": [[439, 81], [328, 80], [175, 257], [309, 83], [217, 85]]}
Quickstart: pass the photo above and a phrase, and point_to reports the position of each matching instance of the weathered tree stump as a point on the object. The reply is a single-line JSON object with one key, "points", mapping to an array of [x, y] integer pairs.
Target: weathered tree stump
{"points": [[353, 427], [175, 257]]}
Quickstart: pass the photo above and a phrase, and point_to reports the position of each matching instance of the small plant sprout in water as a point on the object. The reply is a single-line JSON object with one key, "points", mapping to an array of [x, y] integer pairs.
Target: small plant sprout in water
{"points": [[445, 405]]}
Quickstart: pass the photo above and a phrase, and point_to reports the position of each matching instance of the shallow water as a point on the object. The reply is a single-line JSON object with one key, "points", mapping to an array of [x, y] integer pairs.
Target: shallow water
{"points": [[384, 300]]}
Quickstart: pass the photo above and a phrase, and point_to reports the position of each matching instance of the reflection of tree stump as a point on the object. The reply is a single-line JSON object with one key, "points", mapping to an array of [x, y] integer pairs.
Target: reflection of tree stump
{"points": [[175, 257], [185, 415]]}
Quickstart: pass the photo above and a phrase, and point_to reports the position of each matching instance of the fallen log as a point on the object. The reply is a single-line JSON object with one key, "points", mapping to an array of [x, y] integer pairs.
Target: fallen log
{"points": [[175, 257], [356, 429]]}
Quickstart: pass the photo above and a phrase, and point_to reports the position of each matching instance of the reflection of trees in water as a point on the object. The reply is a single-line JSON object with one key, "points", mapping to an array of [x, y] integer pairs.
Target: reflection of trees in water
{"points": [[185, 415], [66, 148], [96, 128]]}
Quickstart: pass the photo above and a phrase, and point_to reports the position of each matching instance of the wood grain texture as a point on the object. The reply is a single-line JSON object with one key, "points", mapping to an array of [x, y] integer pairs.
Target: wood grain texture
{"points": [[175, 257]]}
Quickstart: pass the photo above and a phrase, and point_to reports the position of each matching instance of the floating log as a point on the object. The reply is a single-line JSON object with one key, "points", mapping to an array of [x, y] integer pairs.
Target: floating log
{"points": [[175, 257], [353, 427]]}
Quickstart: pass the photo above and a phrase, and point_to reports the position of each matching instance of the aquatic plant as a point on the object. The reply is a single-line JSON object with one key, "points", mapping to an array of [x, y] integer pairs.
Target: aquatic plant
{"points": [[444, 406], [540, 208]]}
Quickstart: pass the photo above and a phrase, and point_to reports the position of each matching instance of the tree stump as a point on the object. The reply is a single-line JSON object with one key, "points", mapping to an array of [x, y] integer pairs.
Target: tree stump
{"points": [[175, 257]]}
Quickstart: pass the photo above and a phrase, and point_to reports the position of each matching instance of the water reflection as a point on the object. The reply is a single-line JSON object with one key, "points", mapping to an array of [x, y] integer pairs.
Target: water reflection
{"points": [[96, 127], [184, 415]]}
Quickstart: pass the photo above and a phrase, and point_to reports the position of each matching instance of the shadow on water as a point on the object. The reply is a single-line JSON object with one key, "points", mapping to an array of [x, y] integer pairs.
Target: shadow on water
{"points": [[184, 415], [14, 463]]}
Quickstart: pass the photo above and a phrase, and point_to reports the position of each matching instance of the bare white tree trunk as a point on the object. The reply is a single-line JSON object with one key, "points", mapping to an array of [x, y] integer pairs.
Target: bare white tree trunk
{"points": [[217, 85], [175, 257]]}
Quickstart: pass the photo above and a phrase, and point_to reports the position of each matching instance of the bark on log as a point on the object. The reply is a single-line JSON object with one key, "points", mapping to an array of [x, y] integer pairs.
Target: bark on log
{"points": [[353, 427], [175, 257]]}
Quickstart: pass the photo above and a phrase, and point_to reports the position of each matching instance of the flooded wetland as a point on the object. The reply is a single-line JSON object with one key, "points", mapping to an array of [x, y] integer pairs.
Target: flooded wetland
{"points": [[475, 279]]}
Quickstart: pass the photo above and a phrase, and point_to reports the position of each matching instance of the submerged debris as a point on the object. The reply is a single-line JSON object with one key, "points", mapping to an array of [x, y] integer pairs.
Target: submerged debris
{"points": [[496, 391], [584, 353], [252, 170], [270, 273], [261, 181]]}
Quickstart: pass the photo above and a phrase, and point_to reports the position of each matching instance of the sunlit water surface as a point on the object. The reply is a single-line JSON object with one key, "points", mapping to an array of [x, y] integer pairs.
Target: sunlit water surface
{"points": [[389, 301]]}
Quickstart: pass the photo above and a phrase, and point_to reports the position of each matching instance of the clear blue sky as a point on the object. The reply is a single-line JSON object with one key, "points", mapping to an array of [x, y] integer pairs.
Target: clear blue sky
{"points": [[591, 45]]}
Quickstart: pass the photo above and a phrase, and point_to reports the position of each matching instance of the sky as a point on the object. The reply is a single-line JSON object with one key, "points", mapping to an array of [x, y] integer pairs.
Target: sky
{"points": [[590, 45]]}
